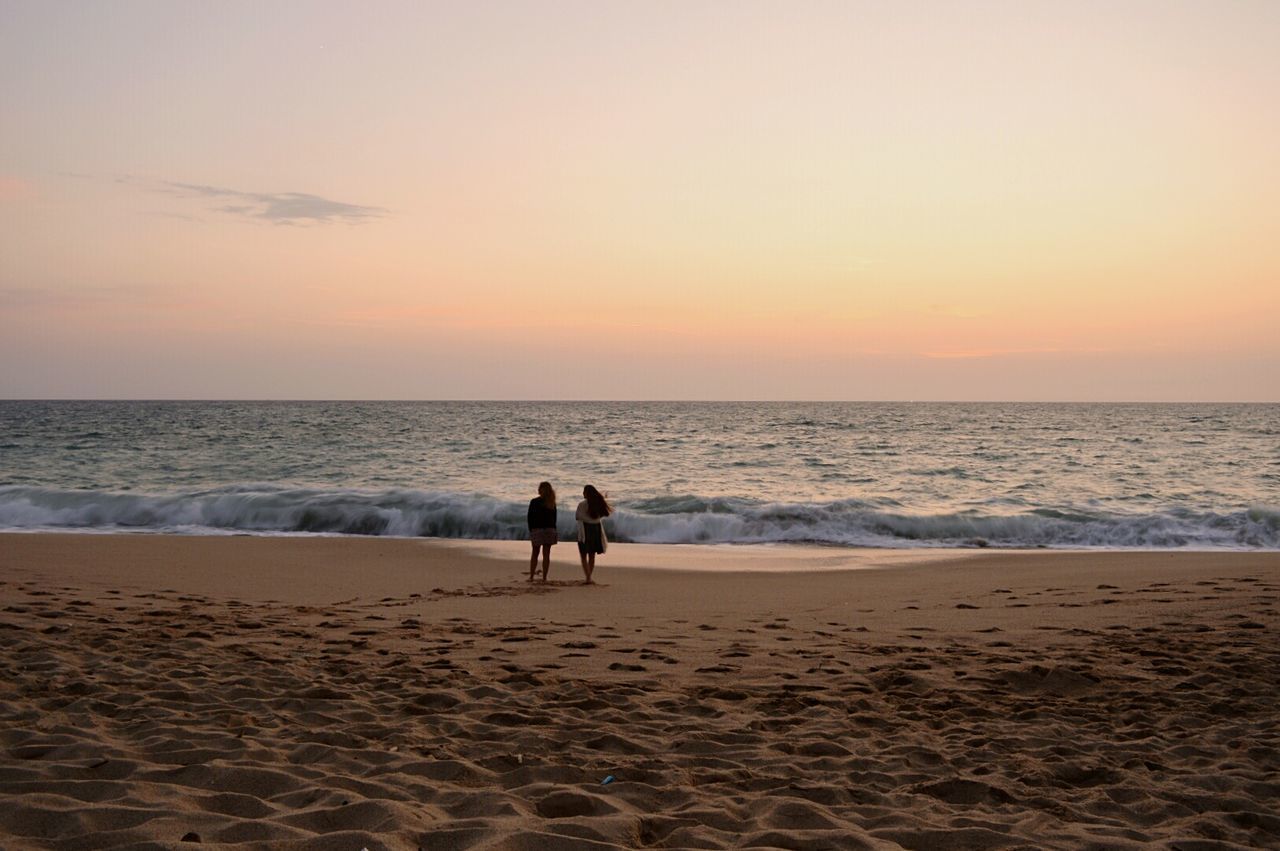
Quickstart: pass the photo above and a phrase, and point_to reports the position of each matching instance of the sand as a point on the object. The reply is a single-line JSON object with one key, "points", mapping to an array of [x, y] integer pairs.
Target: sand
{"points": [[367, 693]]}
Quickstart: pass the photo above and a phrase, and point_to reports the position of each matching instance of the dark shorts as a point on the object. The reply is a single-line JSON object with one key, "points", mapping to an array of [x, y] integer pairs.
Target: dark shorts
{"points": [[593, 540], [544, 537]]}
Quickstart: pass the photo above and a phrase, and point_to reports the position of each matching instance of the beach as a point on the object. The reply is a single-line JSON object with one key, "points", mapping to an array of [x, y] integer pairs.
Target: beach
{"points": [[349, 693]]}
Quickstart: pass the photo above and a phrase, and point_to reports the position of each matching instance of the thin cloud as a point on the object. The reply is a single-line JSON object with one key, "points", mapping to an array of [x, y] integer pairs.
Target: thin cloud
{"points": [[85, 297], [283, 208], [975, 354], [165, 214]]}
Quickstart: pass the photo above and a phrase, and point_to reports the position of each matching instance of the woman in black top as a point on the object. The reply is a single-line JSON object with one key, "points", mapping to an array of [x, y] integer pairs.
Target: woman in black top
{"points": [[542, 528]]}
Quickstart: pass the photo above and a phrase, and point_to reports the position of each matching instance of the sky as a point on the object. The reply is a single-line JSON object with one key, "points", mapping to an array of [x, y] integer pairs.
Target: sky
{"points": [[662, 200]]}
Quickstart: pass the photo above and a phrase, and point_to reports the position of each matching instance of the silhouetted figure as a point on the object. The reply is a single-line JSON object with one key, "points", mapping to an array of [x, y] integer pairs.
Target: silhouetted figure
{"points": [[591, 538], [542, 528]]}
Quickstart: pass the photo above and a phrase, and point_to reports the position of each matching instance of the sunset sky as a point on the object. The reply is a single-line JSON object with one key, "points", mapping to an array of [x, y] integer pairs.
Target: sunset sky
{"points": [[847, 200]]}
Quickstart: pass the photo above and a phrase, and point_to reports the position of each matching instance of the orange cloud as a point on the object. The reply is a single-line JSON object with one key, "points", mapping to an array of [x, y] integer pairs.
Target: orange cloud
{"points": [[974, 354]]}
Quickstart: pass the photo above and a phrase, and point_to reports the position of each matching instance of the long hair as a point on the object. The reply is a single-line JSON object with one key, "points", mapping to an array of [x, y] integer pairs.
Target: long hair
{"points": [[548, 494], [597, 505]]}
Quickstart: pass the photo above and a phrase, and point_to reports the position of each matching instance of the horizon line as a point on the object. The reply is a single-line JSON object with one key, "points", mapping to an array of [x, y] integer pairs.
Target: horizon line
{"points": [[653, 401]]}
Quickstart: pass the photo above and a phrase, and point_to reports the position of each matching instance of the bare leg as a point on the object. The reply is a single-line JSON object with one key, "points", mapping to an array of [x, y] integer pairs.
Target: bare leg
{"points": [[533, 562], [589, 567], [546, 560], [585, 573]]}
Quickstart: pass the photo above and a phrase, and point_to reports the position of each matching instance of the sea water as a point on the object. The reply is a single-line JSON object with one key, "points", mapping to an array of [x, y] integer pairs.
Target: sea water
{"points": [[848, 474]]}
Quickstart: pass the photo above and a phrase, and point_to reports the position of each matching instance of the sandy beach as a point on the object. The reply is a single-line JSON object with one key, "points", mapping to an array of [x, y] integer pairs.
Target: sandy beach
{"points": [[349, 693]]}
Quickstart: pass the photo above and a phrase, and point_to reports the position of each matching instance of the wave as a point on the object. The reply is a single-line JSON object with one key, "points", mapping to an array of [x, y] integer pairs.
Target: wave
{"points": [[269, 509]]}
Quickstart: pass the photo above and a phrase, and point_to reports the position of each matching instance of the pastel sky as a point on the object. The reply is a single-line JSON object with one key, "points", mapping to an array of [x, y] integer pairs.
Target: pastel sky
{"points": [[650, 200]]}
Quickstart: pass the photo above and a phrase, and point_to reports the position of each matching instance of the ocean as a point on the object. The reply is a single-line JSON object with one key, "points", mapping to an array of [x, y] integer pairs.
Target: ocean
{"points": [[843, 474]]}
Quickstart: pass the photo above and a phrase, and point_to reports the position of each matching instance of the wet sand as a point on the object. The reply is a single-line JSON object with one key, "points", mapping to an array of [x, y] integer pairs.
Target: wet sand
{"points": [[348, 693]]}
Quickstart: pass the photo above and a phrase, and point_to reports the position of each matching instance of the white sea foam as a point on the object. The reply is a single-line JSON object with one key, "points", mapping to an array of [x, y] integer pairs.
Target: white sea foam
{"points": [[266, 509]]}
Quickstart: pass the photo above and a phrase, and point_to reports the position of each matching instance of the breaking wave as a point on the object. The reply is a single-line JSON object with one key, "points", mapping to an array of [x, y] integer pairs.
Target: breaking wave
{"points": [[268, 509]]}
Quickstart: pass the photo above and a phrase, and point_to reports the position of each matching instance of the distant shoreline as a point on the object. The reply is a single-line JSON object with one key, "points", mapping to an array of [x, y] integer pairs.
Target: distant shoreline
{"points": [[289, 401]]}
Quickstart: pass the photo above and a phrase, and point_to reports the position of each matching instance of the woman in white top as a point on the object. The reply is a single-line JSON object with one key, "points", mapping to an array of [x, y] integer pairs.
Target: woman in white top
{"points": [[591, 538]]}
